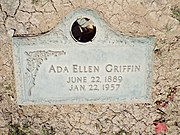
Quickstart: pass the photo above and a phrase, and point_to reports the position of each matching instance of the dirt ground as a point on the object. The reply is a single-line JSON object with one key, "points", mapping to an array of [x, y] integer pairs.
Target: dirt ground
{"points": [[158, 18]]}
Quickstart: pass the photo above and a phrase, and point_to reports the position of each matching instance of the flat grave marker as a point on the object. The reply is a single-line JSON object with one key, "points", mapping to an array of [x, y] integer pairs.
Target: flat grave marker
{"points": [[82, 60]]}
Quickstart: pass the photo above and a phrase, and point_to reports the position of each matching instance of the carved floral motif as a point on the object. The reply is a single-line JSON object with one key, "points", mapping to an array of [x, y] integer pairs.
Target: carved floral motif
{"points": [[34, 61]]}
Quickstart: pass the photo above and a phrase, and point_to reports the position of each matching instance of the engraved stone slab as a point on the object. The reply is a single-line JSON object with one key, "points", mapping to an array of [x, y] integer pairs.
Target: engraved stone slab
{"points": [[80, 65]]}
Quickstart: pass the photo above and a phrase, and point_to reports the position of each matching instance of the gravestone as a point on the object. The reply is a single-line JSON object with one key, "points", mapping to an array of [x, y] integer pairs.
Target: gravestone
{"points": [[82, 60]]}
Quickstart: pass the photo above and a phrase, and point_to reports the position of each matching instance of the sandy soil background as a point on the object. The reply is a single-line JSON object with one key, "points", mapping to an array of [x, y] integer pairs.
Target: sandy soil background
{"points": [[158, 18]]}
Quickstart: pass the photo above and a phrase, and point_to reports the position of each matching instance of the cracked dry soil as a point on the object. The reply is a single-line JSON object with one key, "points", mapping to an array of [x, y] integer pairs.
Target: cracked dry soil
{"points": [[131, 17]]}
